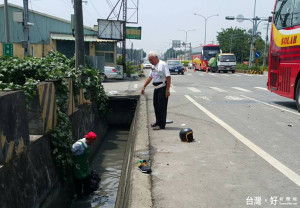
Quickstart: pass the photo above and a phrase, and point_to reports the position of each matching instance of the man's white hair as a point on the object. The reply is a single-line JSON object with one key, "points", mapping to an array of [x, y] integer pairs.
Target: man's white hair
{"points": [[152, 54]]}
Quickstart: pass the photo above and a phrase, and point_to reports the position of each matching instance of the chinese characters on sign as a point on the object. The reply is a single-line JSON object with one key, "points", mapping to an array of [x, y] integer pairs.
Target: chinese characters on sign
{"points": [[272, 200], [8, 49]]}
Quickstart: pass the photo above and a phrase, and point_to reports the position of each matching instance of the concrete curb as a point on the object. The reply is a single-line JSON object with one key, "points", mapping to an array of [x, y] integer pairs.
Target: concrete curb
{"points": [[140, 195]]}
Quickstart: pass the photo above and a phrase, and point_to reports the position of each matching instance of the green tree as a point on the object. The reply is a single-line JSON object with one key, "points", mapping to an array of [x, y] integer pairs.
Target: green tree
{"points": [[235, 40]]}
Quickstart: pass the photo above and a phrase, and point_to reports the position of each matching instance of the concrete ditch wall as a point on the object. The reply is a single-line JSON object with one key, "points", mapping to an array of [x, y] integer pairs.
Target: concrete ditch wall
{"points": [[14, 135], [135, 187]]}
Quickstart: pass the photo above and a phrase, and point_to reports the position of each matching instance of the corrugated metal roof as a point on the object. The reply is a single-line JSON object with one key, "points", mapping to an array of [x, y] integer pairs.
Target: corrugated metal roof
{"points": [[71, 37]]}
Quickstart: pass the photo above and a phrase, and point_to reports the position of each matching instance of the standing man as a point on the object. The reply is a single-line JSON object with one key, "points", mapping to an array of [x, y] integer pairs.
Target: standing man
{"points": [[162, 81], [81, 150]]}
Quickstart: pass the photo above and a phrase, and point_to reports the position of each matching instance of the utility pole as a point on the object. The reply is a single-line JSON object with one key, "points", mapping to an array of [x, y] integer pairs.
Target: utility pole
{"points": [[131, 51], [265, 50], [26, 44], [253, 37], [124, 35], [7, 36], [185, 44], [79, 36], [231, 38]]}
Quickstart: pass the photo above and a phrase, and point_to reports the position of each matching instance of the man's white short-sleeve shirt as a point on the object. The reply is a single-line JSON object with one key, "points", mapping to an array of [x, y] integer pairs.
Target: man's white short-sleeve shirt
{"points": [[159, 72]]}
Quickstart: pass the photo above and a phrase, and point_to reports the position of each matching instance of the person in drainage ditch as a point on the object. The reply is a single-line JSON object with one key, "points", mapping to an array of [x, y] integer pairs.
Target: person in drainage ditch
{"points": [[160, 74], [81, 150]]}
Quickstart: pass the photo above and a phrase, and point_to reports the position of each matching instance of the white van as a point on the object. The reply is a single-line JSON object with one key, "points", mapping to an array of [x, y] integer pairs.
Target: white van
{"points": [[226, 62]]}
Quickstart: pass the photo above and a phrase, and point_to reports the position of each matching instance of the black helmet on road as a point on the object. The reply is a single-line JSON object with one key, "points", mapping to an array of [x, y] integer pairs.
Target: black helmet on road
{"points": [[186, 135]]}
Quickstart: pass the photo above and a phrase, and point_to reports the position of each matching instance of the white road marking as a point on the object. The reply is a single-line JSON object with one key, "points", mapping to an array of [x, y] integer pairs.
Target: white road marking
{"points": [[238, 75], [226, 75], [241, 89], [172, 86], [261, 88], [212, 74], [270, 159], [200, 74], [193, 89], [189, 74], [233, 98], [205, 98], [218, 89], [135, 86], [274, 106], [172, 90]]}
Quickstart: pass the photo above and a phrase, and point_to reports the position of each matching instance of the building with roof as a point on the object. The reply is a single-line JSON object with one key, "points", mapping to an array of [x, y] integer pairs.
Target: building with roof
{"points": [[51, 33]]}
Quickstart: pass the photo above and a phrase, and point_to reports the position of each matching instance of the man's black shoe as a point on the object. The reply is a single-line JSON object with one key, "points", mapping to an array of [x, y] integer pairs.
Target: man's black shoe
{"points": [[154, 124]]}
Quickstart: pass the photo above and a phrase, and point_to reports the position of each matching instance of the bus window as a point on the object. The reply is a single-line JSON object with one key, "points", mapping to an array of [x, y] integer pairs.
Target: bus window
{"points": [[283, 14], [296, 13], [287, 13]]}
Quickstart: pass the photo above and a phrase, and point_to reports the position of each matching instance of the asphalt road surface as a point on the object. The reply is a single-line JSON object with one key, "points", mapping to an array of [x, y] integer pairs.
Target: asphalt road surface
{"points": [[246, 149]]}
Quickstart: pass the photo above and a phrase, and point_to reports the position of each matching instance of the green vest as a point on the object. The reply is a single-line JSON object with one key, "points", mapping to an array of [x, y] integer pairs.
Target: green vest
{"points": [[81, 168]]}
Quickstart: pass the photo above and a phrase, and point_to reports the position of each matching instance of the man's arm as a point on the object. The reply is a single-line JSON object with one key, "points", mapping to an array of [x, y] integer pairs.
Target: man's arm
{"points": [[168, 86], [148, 80]]}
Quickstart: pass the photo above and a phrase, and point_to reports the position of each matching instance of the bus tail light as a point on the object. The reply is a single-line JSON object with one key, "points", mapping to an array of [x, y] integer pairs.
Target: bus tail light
{"points": [[275, 61]]}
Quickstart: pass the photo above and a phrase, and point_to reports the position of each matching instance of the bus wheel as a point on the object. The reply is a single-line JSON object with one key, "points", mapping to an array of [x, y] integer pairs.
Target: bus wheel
{"points": [[297, 98]]}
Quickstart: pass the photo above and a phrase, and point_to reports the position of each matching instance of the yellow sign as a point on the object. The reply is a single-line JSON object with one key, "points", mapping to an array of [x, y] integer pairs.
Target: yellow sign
{"points": [[286, 38]]}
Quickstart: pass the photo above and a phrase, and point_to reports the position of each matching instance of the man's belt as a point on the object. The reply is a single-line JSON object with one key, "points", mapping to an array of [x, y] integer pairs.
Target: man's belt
{"points": [[158, 85]]}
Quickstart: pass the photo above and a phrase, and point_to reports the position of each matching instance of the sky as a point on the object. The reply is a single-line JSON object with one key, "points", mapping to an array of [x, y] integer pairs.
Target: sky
{"points": [[165, 20]]}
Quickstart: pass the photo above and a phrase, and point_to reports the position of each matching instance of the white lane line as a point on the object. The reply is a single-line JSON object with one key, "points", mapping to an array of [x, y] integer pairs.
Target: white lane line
{"points": [[270, 159], [193, 89], [261, 88], [200, 74], [189, 74], [218, 89], [233, 98], [274, 106], [226, 75], [172, 90], [135, 86], [241, 89], [238, 75]]}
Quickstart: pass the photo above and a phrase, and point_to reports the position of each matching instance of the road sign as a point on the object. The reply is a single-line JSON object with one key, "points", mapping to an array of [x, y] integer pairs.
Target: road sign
{"points": [[257, 54], [8, 49], [134, 33], [176, 43]]}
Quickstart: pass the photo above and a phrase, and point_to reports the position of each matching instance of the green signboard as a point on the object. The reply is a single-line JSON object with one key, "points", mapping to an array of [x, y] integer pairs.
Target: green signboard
{"points": [[8, 49], [134, 33]]}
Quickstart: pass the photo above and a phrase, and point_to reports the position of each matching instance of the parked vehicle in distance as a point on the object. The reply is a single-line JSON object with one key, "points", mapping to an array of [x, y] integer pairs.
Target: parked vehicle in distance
{"points": [[147, 65], [109, 72], [175, 66], [226, 62], [202, 54], [223, 62], [190, 65]]}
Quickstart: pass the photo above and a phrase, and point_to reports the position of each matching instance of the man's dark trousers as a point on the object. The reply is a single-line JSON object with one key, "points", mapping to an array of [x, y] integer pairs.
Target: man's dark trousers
{"points": [[160, 102]]}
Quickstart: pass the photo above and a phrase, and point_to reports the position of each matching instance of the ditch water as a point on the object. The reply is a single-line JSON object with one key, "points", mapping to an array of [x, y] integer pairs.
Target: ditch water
{"points": [[108, 163]]}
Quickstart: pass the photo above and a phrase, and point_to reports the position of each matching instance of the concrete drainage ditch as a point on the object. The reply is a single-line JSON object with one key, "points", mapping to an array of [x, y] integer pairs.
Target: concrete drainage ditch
{"points": [[31, 180], [113, 160]]}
